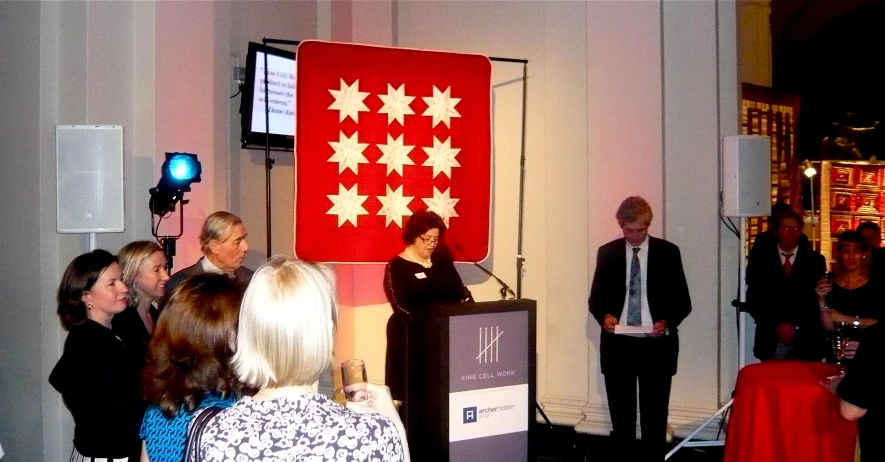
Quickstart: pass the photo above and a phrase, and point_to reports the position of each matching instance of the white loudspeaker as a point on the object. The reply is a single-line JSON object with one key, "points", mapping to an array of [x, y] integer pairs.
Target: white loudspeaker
{"points": [[746, 176], [89, 178]]}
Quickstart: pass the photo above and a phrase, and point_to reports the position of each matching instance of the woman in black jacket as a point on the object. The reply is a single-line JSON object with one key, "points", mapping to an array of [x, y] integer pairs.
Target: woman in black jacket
{"points": [[96, 375]]}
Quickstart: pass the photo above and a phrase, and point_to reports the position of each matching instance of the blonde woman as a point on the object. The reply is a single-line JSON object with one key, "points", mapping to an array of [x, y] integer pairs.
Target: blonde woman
{"points": [[284, 343], [144, 271]]}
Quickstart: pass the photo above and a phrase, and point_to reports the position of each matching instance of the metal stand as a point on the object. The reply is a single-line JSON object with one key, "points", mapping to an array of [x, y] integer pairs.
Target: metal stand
{"points": [[168, 241], [742, 351], [268, 161]]}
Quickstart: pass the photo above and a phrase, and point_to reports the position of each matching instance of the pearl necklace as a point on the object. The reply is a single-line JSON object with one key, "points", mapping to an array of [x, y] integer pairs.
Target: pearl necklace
{"points": [[421, 261]]}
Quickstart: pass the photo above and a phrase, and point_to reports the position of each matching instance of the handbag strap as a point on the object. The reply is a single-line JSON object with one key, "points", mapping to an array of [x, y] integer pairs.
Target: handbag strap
{"points": [[195, 432]]}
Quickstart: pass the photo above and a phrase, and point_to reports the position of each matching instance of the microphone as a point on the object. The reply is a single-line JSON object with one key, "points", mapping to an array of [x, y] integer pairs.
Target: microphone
{"points": [[505, 289]]}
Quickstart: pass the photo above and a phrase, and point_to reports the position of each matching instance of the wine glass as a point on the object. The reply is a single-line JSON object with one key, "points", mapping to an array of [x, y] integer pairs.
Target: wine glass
{"points": [[839, 340], [353, 379]]}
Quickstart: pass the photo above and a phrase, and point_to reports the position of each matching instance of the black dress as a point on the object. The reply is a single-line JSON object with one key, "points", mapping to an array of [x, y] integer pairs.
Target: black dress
{"points": [[862, 387], [99, 383], [134, 334], [412, 289], [864, 301]]}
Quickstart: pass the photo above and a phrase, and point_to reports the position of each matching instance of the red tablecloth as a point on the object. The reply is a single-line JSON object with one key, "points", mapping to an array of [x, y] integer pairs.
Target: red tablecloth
{"points": [[781, 413]]}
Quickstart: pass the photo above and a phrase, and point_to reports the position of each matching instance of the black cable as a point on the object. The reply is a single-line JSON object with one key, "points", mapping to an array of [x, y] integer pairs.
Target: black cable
{"points": [[734, 226], [729, 227], [239, 90], [722, 423]]}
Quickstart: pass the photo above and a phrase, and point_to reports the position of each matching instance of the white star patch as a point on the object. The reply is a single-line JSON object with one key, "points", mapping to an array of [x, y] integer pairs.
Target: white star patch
{"points": [[441, 106], [396, 104], [395, 154], [442, 204], [347, 204], [442, 157], [349, 101], [394, 206], [348, 152]]}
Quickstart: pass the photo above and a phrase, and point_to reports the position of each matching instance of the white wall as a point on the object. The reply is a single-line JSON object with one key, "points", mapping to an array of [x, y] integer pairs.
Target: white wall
{"points": [[20, 286], [623, 98]]}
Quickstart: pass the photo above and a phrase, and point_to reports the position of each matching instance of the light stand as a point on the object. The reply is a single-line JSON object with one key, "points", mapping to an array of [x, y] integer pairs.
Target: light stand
{"points": [[179, 171], [168, 241], [809, 171]]}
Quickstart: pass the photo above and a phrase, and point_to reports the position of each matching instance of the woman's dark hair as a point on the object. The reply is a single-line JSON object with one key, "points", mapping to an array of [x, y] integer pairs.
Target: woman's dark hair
{"points": [[421, 222], [80, 276], [192, 344], [851, 237]]}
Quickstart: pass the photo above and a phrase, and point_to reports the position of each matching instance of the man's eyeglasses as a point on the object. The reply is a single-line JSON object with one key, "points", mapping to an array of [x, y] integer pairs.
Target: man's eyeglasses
{"points": [[429, 240]]}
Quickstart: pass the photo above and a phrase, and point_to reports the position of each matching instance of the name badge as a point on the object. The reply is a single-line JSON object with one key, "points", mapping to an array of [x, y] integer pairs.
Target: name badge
{"points": [[420, 275]]}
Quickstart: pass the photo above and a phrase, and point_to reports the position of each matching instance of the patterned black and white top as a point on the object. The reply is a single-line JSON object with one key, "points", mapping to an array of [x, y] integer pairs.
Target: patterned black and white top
{"points": [[303, 428]]}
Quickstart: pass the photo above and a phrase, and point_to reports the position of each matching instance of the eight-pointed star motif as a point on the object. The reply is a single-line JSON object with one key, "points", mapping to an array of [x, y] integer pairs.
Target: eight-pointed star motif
{"points": [[396, 104], [442, 157], [347, 204], [349, 101], [395, 154], [441, 106], [442, 204], [348, 152], [394, 206]]}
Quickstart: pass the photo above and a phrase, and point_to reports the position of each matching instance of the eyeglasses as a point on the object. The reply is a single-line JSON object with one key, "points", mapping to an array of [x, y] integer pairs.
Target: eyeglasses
{"points": [[429, 240]]}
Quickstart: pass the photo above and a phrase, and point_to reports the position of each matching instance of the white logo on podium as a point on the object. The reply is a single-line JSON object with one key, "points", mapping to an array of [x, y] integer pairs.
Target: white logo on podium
{"points": [[488, 344]]}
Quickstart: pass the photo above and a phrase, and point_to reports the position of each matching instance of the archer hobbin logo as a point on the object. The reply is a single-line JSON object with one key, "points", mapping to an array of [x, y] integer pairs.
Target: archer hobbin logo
{"points": [[469, 414]]}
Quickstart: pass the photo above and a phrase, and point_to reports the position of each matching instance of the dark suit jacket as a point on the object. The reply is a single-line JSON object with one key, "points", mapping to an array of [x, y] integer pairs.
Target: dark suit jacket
{"points": [[668, 300], [242, 274], [774, 299]]}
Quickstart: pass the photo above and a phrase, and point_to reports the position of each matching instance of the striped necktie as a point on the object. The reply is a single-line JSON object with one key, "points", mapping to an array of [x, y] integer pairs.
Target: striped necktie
{"points": [[634, 302]]}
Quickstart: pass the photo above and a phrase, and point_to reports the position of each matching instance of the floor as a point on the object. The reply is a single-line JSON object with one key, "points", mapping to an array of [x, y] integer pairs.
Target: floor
{"points": [[562, 444]]}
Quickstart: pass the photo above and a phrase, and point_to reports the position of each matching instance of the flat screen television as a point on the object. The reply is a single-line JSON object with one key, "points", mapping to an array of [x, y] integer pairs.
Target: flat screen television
{"points": [[281, 93]]}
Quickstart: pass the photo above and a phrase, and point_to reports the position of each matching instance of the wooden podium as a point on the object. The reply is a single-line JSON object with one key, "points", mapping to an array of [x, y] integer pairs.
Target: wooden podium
{"points": [[471, 387]]}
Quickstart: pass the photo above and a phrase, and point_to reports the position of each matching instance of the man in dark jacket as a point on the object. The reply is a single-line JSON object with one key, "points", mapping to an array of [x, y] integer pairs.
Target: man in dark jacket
{"points": [[639, 296]]}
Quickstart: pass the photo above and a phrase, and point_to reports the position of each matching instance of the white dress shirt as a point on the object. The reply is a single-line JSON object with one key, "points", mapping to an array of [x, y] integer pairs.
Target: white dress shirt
{"points": [[783, 254], [208, 267], [643, 271]]}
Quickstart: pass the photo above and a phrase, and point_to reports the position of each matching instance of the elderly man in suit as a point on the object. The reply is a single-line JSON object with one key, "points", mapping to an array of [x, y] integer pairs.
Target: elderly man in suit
{"points": [[224, 246], [781, 296], [639, 296]]}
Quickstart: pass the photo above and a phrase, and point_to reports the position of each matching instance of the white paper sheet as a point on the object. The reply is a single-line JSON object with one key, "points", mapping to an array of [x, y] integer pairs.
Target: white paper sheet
{"points": [[632, 330]]}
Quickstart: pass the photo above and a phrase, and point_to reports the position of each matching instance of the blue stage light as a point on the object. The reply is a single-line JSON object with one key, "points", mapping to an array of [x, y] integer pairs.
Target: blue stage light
{"points": [[184, 167], [179, 171]]}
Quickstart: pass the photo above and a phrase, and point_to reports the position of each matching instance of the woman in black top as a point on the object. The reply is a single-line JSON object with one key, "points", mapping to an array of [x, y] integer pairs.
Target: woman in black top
{"points": [[851, 298], [96, 374], [143, 264], [418, 278]]}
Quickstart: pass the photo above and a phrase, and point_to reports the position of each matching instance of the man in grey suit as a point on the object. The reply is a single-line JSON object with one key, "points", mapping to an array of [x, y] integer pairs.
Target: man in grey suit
{"points": [[224, 246]]}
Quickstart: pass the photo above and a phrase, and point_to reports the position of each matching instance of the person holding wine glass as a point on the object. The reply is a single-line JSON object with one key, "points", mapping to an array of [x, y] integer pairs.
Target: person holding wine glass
{"points": [[846, 296], [284, 342]]}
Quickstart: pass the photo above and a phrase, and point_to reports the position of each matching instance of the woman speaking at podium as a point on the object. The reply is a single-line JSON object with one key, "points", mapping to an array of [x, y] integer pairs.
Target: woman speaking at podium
{"points": [[418, 278]]}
